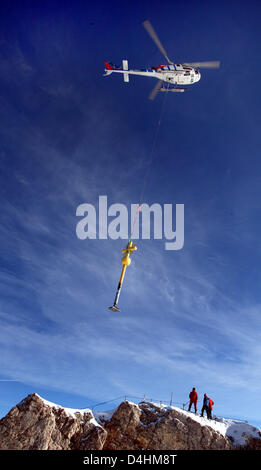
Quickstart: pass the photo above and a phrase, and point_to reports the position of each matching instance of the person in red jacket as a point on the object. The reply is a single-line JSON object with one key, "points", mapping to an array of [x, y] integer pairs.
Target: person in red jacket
{"points": [[210, 407], [193, 397]]}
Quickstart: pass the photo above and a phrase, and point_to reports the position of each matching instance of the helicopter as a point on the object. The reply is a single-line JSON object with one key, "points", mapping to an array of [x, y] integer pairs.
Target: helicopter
{"points": [[171, 77]]}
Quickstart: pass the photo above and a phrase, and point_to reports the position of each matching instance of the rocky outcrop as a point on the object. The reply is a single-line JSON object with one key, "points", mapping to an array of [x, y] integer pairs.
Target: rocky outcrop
{"points": [[40, 425], [252, 443], [148, 426], [35, 425]]}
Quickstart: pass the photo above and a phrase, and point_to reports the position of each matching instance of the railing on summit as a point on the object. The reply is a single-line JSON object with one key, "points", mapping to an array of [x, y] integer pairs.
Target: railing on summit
{"points": [[137, 400]]}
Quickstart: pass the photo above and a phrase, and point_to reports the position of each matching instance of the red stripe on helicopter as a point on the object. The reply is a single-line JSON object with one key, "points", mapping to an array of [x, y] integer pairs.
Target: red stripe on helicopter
{"points": [[108, 66]]}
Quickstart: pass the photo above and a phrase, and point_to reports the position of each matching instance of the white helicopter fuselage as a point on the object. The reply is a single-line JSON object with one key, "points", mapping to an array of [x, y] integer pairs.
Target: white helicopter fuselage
{"points": [[174, 74]]}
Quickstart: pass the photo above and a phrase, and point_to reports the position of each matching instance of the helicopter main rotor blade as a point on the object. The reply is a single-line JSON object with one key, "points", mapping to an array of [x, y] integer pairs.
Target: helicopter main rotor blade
{"points": [[213, 64], [155, 90], [150, 30]]}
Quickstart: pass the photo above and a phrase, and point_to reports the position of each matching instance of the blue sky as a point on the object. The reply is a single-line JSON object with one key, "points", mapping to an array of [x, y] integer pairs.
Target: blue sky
{"points": [[189, 318]]}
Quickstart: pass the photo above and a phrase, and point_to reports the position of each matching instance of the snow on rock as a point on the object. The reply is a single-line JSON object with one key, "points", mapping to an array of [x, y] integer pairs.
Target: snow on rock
{"points": [[239, 431], [69, 411]]}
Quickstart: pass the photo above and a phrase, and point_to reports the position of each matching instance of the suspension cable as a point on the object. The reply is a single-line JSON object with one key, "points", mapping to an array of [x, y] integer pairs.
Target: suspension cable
{"points": [[151, 154]]}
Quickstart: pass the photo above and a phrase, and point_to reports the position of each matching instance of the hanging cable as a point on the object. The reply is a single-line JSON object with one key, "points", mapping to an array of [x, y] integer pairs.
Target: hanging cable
{"points": [[152, 151], [131, 246], [153, 147]]}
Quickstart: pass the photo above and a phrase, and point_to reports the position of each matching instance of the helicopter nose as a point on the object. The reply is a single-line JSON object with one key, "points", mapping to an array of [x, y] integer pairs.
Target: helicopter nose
{"points": [[199, 76]]}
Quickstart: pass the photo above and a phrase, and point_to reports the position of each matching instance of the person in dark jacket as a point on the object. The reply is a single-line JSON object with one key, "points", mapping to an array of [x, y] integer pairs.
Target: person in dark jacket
{"points": [[193, 397], [207, 406]]}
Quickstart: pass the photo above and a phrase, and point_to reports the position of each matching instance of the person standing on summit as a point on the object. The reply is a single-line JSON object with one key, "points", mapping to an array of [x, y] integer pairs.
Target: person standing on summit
{"points": [[207, 406], [210, 407], [193, 397]]}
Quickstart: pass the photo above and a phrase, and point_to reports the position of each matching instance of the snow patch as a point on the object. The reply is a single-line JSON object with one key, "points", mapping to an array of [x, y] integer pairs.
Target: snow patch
{"points": [[72, 412]]}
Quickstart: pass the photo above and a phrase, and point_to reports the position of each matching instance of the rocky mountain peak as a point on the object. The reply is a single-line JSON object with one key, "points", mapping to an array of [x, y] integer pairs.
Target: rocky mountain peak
{"points": [[37, 424]]}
